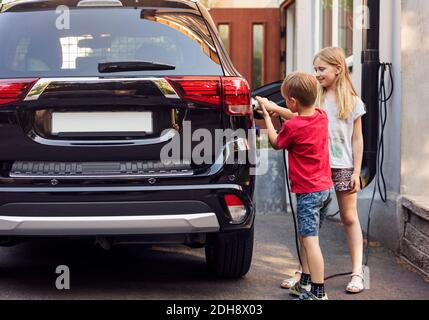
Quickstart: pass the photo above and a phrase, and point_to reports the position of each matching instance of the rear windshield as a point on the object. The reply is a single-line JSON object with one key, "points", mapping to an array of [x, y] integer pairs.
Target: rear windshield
{"points": [[48, 44]]}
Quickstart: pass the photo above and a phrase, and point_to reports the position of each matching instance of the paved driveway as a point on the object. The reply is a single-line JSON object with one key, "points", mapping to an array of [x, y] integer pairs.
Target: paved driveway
{"points": [[137, 272]]}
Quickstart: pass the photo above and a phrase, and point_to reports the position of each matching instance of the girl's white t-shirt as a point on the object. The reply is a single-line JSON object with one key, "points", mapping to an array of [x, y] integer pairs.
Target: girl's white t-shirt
{"points": [[341, 134]]}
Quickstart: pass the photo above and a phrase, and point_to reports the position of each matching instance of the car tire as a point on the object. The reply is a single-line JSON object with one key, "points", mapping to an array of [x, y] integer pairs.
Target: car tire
{"points": [[230, 255]]}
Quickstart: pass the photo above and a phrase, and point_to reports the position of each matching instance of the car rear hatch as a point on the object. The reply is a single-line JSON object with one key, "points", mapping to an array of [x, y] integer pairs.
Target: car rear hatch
{"points": [[100, 91]]}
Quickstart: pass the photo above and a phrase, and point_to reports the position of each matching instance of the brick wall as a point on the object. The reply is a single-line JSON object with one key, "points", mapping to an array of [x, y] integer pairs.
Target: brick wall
{"points": [[415, 239]]}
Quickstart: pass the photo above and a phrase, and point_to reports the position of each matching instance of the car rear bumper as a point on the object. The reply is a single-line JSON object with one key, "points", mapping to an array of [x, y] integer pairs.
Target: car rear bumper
{"points": [[105, 225], [114, 210]]}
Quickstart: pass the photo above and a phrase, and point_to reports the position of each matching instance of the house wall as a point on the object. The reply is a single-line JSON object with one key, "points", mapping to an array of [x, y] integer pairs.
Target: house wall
{"points": [[415, 97], [414, 202], [385, 217]]}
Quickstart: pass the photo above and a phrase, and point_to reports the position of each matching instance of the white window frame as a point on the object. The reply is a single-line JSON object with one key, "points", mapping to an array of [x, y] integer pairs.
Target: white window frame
{"points": [[335, 22], [291, 45], [317, 25]]}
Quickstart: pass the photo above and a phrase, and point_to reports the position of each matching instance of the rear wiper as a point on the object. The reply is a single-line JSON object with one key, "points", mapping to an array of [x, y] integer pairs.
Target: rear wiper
{"points": [[123, 66]]}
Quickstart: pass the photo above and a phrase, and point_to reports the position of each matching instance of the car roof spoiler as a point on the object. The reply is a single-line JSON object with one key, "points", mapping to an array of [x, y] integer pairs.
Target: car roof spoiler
{"points": [[176, 4]]}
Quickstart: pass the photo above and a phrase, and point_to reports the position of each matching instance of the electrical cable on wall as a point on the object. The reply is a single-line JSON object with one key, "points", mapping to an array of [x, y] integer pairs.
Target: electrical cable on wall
{"points": [[380, 182]]}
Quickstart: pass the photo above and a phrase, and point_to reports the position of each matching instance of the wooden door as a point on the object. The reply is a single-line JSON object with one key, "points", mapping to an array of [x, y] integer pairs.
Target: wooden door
{"points": [[253, 40]]}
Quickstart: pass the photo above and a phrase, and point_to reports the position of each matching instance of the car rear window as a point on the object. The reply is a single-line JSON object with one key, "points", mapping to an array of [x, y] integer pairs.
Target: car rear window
{"points": [[42, 44]]}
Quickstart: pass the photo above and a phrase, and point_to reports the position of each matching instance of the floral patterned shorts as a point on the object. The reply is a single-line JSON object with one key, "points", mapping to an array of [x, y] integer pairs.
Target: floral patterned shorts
{"points": [[342, 179]]}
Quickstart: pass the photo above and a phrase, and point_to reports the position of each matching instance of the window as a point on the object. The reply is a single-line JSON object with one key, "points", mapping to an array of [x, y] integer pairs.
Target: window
{"points": [[345, 26], [35, 48], [224, 35], [258, 56], [336, 24], [326, 23]]}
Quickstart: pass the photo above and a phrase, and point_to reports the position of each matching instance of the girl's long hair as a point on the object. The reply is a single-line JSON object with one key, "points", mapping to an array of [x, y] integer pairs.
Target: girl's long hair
{"points": [[346, 92]]}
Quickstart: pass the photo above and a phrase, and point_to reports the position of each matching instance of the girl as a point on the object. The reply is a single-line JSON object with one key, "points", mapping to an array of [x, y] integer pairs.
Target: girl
{"points": [[345, 109]]}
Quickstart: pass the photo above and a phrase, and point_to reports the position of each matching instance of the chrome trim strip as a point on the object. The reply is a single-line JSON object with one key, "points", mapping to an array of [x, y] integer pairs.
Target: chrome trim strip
{"points": [[166, 136], [40, 86], [120, 189], [156, 224]]}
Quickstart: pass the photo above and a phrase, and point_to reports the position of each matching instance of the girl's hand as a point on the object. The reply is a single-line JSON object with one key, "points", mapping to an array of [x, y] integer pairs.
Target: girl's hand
{"points": [[355, 183]]}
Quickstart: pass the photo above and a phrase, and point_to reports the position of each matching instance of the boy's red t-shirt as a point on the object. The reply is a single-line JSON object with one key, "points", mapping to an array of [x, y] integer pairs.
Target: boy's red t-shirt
{"points": [[306, 139]]}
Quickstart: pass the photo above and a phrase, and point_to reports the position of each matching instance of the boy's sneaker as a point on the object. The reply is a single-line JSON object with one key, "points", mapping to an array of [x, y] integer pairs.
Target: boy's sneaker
{"points": [[297, 289], [310, 296]]}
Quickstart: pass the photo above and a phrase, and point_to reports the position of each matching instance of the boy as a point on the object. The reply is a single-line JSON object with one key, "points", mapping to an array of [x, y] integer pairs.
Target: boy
{"points": [[306, 139]]}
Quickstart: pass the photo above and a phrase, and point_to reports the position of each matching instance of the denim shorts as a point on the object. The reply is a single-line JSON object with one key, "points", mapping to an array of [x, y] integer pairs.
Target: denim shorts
{"points": [[312, 208]]}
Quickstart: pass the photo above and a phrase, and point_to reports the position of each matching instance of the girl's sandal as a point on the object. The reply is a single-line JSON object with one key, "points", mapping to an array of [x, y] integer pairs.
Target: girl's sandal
{"points": [[289, 283], [356, 285]]}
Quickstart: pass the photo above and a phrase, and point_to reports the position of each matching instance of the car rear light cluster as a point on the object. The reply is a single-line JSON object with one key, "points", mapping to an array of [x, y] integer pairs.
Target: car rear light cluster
{"points": [[237, 209], [231, 93], [236, 94], [199, 90], [14, 90]]}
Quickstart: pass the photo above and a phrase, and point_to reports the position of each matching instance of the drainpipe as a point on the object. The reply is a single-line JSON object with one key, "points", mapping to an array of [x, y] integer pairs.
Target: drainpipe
{"points": [[370, 94]]}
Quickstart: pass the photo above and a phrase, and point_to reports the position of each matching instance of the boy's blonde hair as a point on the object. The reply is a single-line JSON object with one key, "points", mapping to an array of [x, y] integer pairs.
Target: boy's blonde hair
{"points": [[301, 86], [346, 92]]}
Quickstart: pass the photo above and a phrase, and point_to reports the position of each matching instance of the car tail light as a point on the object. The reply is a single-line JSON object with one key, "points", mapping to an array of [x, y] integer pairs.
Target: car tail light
{"points": [[233, 94], [237, 99], [236, 207], [13, 90], [200, 90]]}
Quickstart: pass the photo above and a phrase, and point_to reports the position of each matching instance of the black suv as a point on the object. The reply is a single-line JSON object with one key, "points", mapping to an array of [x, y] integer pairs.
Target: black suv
{"points": [[91, 93]]}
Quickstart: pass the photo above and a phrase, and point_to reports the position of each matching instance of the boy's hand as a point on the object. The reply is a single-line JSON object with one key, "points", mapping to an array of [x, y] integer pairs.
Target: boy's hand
{"points": [[272, 134], [265, 113], [267, 104]]}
